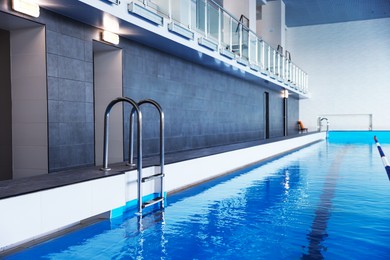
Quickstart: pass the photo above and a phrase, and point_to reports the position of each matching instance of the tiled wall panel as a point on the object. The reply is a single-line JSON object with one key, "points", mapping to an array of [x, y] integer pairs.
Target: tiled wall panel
{"points": [[202, 107], [70, 92]]}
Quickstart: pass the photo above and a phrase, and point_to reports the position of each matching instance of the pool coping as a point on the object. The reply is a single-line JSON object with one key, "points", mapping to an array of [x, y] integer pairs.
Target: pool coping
{"points": [[12, 188]]}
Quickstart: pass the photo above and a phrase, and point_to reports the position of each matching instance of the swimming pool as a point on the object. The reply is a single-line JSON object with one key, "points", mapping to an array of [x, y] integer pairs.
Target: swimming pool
{"points": [[329, 200]]}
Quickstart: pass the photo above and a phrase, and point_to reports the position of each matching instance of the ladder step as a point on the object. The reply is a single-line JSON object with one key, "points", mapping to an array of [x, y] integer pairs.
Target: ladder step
{"points": [[152, 177], [152, 202]]}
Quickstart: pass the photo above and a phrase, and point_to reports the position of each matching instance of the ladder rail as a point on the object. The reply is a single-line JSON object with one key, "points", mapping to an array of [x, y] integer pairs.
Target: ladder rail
{"points": [[139, 141], [162, 148]]}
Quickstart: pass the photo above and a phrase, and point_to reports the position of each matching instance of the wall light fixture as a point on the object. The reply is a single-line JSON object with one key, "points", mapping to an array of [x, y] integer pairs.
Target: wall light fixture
{"points": [[110, 37], [285, 93], [26, 6]]}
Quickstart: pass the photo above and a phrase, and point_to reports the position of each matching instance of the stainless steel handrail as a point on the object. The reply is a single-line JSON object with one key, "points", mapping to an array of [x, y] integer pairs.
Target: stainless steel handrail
{"points": [[139, 143], [106, 130], [162, 142], [136, 108], [320, 119]]}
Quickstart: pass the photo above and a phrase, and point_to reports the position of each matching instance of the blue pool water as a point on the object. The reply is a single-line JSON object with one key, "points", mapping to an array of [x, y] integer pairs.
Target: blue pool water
{"points": [[330, 200]]}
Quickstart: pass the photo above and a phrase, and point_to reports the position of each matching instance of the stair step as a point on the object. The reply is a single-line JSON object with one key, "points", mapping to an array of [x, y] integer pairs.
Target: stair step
{"points": [[152, 177], [152, 202]]}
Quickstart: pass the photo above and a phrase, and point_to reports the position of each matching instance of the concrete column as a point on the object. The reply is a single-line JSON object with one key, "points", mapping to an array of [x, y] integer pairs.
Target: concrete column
{"points": [[272, 26], [245, 7]]}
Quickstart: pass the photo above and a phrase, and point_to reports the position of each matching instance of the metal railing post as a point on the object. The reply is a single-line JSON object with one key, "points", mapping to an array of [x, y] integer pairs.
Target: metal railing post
{"points": [[131, 139]]}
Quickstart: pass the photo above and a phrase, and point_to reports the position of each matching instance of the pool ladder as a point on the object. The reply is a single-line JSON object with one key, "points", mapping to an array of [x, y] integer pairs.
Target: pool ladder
{"points": [[320, 119], [140, 179]]}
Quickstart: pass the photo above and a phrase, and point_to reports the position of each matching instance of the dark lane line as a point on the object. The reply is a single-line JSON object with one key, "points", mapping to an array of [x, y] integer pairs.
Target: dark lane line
{"points": [[322, 214]]}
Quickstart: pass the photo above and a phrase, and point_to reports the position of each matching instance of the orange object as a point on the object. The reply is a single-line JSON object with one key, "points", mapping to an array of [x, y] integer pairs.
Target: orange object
{"points": [[302, 128]]}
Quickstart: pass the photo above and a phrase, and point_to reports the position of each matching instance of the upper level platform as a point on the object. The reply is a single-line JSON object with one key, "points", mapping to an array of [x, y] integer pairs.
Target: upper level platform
{"points": [[200, 31]]}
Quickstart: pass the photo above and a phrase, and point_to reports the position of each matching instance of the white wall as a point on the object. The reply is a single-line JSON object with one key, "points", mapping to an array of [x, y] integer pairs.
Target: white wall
{"points": [[237, 8], [348, 66], [108, 86], [30, 216], [252, 14], [271, 27], [247, 8]]}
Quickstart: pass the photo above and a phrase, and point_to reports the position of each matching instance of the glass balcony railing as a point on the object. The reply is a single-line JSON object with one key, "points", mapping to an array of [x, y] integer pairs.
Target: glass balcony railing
{"points": [[214, 23]]}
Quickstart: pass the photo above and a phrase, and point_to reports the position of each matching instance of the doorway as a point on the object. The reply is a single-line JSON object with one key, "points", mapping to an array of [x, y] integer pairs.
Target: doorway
{"points": [[23, 133], [5, 107], [285, 116], [107, 66], [266, 115]]}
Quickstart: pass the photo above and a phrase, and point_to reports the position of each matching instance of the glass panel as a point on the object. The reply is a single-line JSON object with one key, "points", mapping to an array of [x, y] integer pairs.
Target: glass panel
{"points": [[292, 73], [235, 31], [180, 11], [295, 77], [301, 83], [300, 80], [260, 54], [306, 83], [161, 6], [271, 66], [288, 71], [266, 56], [212, 21], [200, 16], [253, 48], [193, 10], [245, 42], [226, 31]]}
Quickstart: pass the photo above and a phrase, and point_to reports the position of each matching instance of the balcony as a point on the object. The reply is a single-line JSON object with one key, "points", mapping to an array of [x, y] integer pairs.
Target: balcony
{"points": [[203, 26], [218, 30]]}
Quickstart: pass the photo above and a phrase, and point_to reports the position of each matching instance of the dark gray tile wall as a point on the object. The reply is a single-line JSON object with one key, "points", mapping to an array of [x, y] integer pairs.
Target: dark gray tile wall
{"points": [[202, 107], [70, 92]]}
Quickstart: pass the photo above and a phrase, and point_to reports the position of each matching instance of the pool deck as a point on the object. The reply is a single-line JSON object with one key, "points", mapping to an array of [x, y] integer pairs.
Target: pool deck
{"points": [[11, 188]]}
